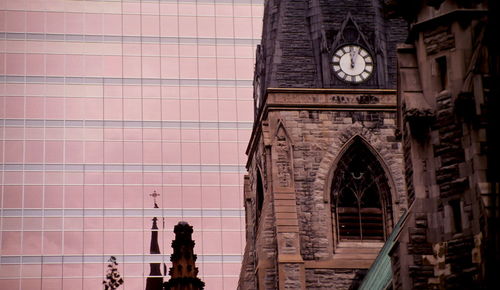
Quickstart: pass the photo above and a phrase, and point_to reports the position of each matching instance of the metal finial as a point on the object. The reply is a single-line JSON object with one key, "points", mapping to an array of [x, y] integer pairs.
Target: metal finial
{"points": [[154, 195]]}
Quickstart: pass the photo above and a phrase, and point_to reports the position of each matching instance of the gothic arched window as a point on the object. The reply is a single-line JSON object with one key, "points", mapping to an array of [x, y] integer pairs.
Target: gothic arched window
{"points": [[360, 195], [259, 197]]}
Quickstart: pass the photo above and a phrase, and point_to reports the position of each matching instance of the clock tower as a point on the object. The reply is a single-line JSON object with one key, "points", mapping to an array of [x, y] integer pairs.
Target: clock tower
{"points": [[325, 183]]}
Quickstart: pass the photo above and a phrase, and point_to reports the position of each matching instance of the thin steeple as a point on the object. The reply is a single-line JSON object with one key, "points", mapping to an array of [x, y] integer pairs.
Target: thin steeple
{"points": [[155, 278]]}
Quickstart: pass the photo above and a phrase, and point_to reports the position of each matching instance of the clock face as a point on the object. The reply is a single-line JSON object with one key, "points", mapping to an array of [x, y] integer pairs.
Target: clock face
{"points": [[352, 63]]}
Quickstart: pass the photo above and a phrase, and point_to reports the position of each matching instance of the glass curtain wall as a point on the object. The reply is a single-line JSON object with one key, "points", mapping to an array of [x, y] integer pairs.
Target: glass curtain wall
{"points": [[103, 102]]}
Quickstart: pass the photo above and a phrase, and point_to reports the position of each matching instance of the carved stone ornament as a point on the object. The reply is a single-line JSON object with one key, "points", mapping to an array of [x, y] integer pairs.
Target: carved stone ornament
{"points": [[282, 158], [418, 114], [350, 32], [283, 164]]}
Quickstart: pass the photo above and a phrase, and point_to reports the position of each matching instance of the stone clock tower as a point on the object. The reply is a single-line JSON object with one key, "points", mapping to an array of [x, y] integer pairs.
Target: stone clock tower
{"points": [[325, 183]]}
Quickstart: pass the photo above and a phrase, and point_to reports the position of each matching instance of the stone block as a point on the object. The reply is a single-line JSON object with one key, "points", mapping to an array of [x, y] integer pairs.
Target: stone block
{"points": [[286, 215], [286, 209], [284, 202], [284, 196]]}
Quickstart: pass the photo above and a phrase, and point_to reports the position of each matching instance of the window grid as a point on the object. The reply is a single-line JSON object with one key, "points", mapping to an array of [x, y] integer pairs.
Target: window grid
{"points": [[78, 99]]}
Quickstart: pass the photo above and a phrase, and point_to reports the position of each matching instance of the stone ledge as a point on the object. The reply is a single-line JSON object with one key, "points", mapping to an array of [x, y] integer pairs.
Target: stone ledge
{"points": [[286, 215], [284, 202], [287, 229], [287, 222], [285, 259], [285, 209], [339, 264], [286, 196]]}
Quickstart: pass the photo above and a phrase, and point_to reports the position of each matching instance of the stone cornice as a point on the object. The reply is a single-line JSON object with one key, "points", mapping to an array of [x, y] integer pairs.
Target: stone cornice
{"points": [[457, 14], [318, 99]]}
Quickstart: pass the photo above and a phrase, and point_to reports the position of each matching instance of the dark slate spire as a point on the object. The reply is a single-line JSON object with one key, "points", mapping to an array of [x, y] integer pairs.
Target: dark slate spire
{"points": [[300, 36], [183, 272]]}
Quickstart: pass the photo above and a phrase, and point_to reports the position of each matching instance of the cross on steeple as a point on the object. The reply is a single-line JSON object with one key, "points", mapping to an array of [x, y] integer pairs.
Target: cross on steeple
{"points": [[154, 195]]}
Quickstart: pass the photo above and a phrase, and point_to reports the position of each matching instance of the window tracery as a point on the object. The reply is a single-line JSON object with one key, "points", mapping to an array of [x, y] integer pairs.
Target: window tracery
{"points": [[360, 194]]}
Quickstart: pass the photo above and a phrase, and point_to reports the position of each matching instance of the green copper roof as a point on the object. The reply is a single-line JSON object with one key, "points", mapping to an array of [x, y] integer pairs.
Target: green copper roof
{"points": [[380, 274]]}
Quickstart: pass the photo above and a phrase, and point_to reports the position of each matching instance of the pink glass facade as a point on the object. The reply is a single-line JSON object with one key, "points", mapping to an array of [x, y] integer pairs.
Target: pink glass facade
{"points": [[103, 102]]}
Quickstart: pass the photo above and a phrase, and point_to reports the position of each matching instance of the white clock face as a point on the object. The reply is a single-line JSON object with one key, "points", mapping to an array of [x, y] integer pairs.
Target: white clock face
{"points": [[352, 63]]}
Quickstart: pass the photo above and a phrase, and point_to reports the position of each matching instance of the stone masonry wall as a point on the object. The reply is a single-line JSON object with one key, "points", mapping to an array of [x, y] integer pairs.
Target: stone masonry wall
{"points": [[261, 235], [441, 246], [448, 151], [340, 279], [318, 137]]}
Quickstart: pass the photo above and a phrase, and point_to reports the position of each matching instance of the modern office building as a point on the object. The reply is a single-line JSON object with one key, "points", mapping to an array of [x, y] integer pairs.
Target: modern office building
{"points": [[104, 102]]}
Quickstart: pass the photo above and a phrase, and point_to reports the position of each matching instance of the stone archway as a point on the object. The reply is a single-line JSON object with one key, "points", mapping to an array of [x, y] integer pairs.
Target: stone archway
{"points": [[389, 161]]}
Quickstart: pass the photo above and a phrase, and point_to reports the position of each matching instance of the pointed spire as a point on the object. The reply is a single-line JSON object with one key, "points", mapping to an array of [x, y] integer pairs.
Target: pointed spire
{"points": [[155, 279], [154, 247]]}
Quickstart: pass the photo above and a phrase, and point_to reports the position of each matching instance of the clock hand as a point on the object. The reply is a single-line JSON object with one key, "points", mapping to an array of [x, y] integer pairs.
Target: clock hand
{"points": [[353, 54]]}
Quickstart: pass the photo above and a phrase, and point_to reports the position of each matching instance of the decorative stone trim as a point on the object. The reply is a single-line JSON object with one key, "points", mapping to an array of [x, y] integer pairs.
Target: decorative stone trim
{"points": [[334, 153]]}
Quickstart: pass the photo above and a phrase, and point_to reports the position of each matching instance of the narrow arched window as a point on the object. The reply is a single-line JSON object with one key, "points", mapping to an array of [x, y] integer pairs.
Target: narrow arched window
{"points": [[259, 197], [359, 189]]}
